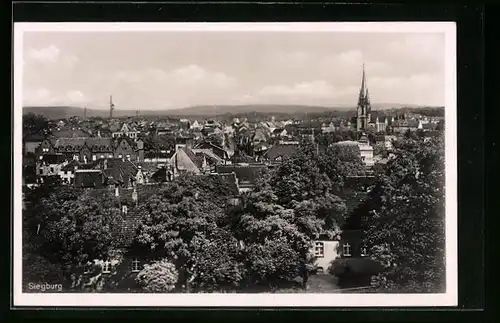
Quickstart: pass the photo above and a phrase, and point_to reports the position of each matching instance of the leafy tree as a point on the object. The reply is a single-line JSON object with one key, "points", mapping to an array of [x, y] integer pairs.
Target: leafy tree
{"points": [[299, 177], [406, 227], [159, 277], [177, 222], [380, 150], [217, 263], [70, 230], [339, 162], [34, 124]]}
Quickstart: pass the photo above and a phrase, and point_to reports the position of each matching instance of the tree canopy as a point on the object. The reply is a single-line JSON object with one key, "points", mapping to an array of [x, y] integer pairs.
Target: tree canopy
{"points": [[406, 225]]}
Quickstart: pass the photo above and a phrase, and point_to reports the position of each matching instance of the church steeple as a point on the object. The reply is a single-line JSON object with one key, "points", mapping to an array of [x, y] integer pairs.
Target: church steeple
{"points": [[363, 90], [364, 109]]}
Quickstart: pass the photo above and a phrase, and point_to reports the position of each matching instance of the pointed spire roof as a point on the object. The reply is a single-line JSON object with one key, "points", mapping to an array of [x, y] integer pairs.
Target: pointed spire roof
{"points": [[363, 91]]}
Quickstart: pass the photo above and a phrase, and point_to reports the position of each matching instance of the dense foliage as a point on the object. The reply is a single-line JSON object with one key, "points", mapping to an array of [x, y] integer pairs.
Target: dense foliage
{"points": [[159, 277], [194, 240], [406, 225]]}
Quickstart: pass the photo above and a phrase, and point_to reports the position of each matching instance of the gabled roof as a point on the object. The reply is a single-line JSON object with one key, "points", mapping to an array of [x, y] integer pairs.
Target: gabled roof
{"points": [[242, 158], [127, 139], [197, 160], [277, 131], [260, 134], [208, 154], [75, 144], [121, 171], [207, 144], [280, 150], [68, 132]]}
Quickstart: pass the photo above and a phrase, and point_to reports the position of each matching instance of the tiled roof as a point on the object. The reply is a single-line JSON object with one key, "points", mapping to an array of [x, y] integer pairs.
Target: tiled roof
{"points": [[280, 150], [277, 131], [208, 153], [118, 170], [197, 160], [75, 144], [242, 158], [65, 133]]}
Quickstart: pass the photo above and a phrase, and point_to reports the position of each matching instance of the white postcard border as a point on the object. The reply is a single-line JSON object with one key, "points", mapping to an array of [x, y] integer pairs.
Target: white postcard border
{"points": [[450, 298]]}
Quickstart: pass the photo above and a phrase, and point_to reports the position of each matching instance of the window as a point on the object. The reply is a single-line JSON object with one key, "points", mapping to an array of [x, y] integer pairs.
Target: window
{"points": [[346, 250], [110, 156], [120, 156], [41, 171], [76, 157], [363, 251], [45, 150], [106, 267], [94, 157], [102, 156], [136, 265], [51, 169], [128, 157], [124, 209], [319, 249]]}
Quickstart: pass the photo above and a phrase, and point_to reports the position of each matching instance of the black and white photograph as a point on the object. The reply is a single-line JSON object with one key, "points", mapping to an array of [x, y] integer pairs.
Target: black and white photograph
{"points": [[235, 164]]}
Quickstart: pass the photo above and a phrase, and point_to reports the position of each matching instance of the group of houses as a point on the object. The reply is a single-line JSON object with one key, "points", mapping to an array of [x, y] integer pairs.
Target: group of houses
{"points": [[118, 157]]}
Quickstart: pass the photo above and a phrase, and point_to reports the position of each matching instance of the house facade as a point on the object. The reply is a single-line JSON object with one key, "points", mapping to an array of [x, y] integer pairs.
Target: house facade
{"points": [[88, 149]]}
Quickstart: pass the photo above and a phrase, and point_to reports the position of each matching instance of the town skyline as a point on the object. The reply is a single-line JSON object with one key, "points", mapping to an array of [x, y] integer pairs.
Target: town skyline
{"points": [[175, 70]]}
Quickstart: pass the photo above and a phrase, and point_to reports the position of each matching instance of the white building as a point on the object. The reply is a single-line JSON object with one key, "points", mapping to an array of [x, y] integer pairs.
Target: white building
{"points": [[325, 252], [366, 151]]}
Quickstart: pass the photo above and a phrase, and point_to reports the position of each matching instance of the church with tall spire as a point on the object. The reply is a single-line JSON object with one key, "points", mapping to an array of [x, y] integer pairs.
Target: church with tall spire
{"points": [[363, 117]]}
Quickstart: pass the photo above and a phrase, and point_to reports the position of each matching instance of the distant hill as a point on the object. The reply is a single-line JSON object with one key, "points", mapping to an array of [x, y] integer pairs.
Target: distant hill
{"points": [[56, 112]]}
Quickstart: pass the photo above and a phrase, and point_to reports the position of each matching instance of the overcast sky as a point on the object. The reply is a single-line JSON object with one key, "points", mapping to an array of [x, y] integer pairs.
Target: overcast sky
{"points": [[163, 70]]}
